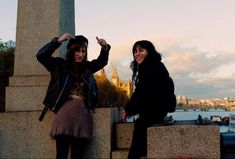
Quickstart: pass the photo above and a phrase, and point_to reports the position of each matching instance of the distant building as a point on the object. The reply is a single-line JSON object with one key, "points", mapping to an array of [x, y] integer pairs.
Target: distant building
{"points": [[125, 86], [182, 100]]}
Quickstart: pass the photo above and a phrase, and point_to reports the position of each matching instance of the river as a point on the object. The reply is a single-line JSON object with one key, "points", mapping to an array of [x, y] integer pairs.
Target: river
{"points": [[193, 114]]}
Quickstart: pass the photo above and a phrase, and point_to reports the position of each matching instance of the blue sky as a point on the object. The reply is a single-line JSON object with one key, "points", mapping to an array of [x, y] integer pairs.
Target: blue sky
{"points": [[195, 37]]}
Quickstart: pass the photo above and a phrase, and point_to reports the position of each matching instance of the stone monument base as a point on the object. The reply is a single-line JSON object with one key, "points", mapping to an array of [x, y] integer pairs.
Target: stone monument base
{"points": [[22, 135]]}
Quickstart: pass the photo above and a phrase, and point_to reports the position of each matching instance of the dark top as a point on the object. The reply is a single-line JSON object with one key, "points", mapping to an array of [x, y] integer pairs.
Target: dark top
{"points": [[149, 97], [62, 79]]}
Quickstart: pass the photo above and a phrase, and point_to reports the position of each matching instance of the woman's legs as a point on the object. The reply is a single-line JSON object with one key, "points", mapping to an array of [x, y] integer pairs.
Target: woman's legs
{"points": [[78, 148], [64, 142], [62, 146], [139, 141]]}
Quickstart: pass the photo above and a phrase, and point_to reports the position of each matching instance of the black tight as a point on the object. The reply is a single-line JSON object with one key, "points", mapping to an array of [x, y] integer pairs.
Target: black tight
{"points": [[139, 139], [77, 145]]}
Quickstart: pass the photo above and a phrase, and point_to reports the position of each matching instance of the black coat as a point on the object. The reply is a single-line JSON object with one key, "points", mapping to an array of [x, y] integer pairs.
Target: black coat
{"points": [[61, 81], [150, 96]]}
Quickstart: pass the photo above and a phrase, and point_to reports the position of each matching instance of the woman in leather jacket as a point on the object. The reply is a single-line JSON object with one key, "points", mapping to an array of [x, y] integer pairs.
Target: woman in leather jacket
{"points": [[150, 96], [71, 92]]}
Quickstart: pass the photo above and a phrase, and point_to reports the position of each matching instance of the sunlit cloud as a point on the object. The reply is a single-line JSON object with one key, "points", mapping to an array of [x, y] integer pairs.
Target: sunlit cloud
{"points": [[199, 73]]}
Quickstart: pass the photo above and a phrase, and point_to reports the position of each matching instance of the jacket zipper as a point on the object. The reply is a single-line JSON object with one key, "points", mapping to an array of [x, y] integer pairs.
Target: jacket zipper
{"points": [[57, 100]]}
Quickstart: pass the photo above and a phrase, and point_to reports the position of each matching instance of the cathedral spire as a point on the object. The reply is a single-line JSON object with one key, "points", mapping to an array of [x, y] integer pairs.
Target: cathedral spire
{"points": [[102, 74], [115, 78]]}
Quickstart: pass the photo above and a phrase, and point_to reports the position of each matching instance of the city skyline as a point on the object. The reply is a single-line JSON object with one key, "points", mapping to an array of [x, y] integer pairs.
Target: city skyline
{"points": [[195, 38]]}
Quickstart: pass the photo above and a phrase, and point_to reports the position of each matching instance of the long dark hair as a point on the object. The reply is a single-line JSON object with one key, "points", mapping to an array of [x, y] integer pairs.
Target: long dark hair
{"points": [[77, 69], [75, 44], [71, 51], [153, 55], [80, 42]]}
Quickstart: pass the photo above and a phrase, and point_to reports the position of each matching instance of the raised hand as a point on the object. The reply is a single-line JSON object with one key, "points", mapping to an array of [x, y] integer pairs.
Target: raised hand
{"points": [[102, 43], [64, 37]]}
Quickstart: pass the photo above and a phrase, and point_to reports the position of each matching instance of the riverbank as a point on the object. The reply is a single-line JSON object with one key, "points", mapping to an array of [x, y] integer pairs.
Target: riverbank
{"points": [[193, 114]]}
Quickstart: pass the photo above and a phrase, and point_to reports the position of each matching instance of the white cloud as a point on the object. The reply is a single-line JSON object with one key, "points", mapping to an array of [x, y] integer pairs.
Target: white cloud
{"points": [[199, 73]]}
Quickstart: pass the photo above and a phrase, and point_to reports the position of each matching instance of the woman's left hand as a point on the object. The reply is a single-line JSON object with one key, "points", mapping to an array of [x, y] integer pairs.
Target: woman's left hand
{"points": [[102, 43]]}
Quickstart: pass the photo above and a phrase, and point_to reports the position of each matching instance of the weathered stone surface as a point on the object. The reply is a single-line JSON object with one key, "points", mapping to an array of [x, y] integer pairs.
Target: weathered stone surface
{"points": [[26, 81], [23, 136], [27, 91], [120, 154], [178, 141], [101, 145], [37, 23], [25, 98], [124, 132]]}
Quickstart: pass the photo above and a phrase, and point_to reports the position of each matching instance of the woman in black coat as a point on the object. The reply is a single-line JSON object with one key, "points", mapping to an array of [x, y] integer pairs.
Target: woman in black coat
{"points": [[150, 96]]}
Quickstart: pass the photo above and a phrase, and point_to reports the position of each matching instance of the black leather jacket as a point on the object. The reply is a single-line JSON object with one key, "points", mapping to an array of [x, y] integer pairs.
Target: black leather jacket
{"points": [[61, 81]]}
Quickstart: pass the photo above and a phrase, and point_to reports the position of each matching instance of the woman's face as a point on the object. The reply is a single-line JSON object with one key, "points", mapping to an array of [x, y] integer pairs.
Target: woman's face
{"points": [[140, 54], [79, 55]]}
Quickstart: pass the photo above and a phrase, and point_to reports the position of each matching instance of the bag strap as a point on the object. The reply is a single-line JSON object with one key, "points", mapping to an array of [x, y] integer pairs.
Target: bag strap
{"points": [[43, 113]]}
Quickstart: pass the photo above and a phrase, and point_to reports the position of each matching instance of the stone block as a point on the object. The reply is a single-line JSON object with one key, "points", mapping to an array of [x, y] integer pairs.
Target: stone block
{"points": [[179, 141], [120, 154], [23, 136], [101, 145], [124, 132], [24, 98]]}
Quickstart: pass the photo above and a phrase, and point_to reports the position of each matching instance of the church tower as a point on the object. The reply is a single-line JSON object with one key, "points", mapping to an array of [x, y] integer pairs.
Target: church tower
{"points": [[125, 86], [115, 78], [102, 74], [129, 88]]}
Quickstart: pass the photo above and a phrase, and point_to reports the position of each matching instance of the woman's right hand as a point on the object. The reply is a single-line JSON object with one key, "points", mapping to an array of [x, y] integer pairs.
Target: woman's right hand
{"points": [[124, 116], [64, 37]]}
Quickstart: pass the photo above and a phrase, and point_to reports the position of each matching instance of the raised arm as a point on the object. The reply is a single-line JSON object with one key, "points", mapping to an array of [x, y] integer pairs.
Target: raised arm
{"points": [[102, 59], [44, 55]]}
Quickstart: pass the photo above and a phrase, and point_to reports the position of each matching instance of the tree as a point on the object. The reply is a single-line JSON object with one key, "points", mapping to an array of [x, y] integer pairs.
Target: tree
{"points": [[7, 50], [109, 95]]}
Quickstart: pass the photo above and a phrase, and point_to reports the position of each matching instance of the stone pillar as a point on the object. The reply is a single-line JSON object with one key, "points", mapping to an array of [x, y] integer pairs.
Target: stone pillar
{"points": [[38, 21]]}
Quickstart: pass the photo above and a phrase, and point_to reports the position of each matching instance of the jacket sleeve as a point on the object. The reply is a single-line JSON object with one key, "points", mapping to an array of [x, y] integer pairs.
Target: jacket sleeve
{"points": [[132, 107], [100, 61], [44, 55], [137, 101]]}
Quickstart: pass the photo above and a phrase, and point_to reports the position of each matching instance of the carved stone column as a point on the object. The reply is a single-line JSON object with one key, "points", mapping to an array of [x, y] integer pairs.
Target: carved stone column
{"points": [[38, 21]]}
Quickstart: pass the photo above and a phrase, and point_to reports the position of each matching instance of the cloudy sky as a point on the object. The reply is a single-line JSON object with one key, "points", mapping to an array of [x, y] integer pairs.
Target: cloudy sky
{"points": [[195, 37]]}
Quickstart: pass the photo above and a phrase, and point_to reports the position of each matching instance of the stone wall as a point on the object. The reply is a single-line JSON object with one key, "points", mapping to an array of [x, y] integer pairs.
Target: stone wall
{"points": [[23, 136]]}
